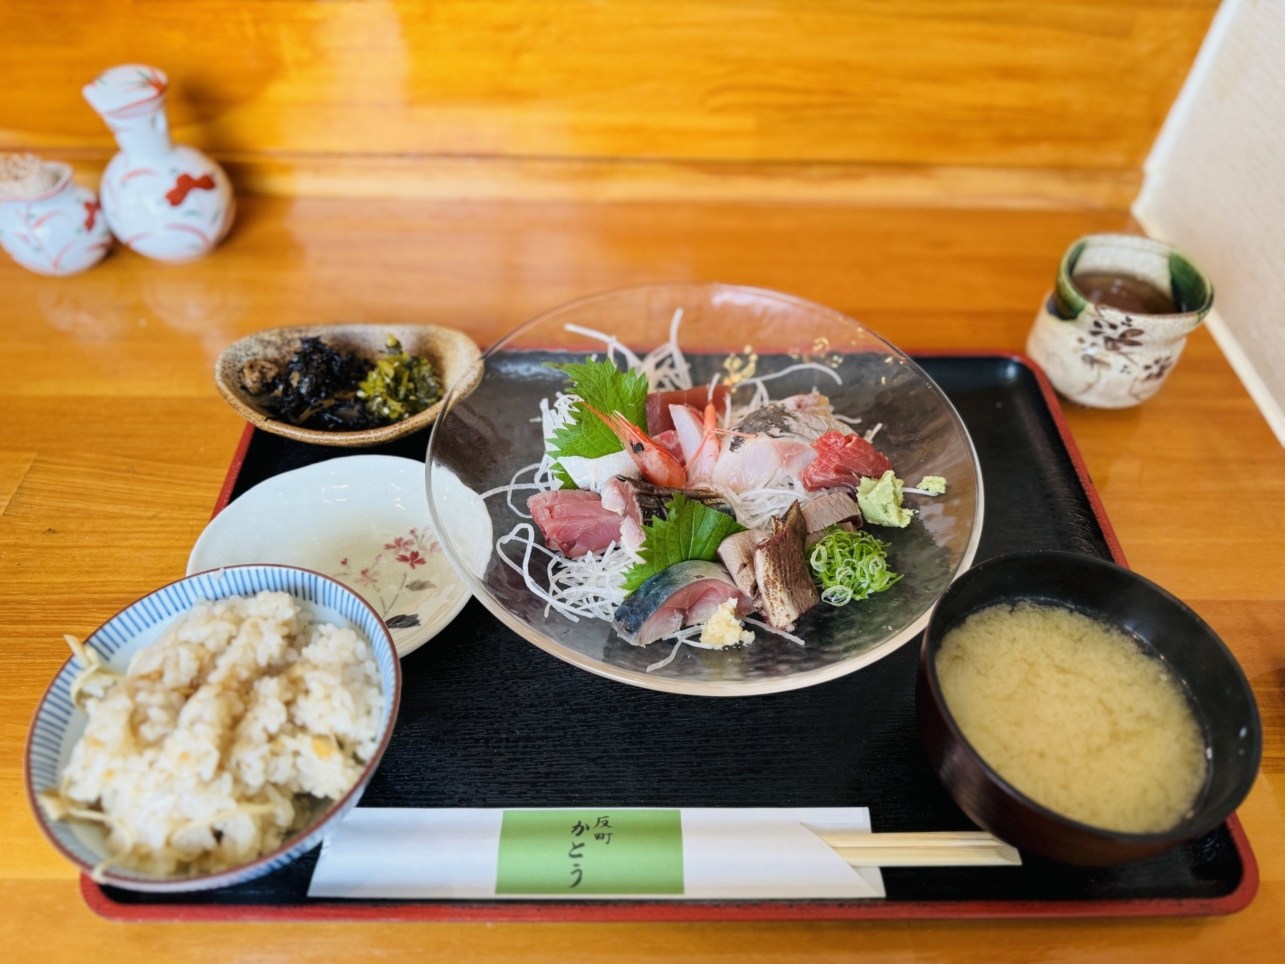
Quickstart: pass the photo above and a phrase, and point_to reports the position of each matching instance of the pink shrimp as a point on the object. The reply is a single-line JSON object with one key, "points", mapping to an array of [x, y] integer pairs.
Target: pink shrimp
{"points": [[701, 465], [657, 466], [700, 440]]}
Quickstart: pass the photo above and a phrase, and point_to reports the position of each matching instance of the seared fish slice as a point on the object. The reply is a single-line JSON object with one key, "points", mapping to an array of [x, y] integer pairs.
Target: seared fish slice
{"points": [[781, 570], [642, 501], [831, 509], [737, 553], [804, 417]]}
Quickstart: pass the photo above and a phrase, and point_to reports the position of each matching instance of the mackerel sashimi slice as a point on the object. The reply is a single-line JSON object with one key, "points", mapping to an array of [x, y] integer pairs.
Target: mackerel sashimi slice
{"points": [[574, 521], [685, 594], [842, 460]]}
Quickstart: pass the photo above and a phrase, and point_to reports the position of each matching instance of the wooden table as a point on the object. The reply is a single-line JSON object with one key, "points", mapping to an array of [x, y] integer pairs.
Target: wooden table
{"points": [[114, 445]]}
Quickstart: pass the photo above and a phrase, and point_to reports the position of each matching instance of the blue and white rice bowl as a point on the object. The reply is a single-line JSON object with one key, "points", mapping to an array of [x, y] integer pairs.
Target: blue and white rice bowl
{"points": [[58, 724]]}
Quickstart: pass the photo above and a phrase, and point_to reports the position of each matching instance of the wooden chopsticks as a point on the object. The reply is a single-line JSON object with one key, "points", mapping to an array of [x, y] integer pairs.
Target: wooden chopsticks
{"points": [[967, 848]]}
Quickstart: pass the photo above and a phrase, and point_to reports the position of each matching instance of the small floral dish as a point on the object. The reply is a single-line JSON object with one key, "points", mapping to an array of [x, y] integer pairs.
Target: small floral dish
{"points": [[454, 355], [361, 519], [58, 723]]}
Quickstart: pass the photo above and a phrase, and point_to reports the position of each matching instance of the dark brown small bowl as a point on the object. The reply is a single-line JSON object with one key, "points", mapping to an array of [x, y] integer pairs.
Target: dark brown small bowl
{"points": [[1215, 685]]}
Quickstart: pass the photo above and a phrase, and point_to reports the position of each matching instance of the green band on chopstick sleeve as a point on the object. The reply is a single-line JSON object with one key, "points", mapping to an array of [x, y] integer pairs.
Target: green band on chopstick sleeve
{"points": [[590, 852]]}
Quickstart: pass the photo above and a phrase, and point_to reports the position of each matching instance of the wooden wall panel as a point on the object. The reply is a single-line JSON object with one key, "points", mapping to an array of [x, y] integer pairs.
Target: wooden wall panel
{"points": [[992, 83]]}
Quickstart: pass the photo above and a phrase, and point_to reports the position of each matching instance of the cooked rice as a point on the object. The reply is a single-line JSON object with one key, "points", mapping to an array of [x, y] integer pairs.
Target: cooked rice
{"points": [[223, 736]]}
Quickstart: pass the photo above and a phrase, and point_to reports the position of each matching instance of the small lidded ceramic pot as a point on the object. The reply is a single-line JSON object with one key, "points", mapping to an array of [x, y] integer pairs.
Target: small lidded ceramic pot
{"points": [[1113, 328], [166, 201], [49, 224]]}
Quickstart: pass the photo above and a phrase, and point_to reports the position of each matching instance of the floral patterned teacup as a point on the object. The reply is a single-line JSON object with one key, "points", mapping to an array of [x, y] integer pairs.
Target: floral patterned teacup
{"points": [[1115, 357]]}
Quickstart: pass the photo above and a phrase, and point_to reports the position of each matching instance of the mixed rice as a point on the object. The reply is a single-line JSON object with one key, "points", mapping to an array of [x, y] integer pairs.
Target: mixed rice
{"points": [[223, 737]]}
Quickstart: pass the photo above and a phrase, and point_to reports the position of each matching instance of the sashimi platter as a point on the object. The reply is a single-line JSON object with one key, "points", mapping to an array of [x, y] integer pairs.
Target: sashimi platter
{"points": [[682, 516]]}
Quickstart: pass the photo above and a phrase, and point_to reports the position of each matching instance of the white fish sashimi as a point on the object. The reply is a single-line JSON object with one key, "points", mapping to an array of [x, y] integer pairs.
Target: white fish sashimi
{"points": [[691, 429], [757, 462], [700, 453], [593, 474]]}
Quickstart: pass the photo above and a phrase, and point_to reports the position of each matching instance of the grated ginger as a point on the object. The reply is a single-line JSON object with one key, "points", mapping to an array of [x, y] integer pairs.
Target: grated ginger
{"points": [[724, 629]]}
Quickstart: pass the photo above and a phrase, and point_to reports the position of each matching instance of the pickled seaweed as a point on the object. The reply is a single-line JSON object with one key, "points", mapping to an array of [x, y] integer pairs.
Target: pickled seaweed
{"points": [[323, 387]]}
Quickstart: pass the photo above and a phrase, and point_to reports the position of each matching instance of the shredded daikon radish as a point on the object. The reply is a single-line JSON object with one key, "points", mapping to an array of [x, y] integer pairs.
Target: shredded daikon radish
{"points": [[589, 586], [801, 366], [592, 586], [684, 637], [755, 508], [772, 629], [713, 384], [870, 435], [631, 360], [553, 417], [665, 366]]}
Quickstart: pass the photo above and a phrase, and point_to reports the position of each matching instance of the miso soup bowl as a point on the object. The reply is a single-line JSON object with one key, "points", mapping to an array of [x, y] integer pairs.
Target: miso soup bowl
{"points": [[1216, 688]]}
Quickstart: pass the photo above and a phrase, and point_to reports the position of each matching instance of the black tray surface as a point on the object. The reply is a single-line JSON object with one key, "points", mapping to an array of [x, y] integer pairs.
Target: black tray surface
{"points": [[488, 720]]}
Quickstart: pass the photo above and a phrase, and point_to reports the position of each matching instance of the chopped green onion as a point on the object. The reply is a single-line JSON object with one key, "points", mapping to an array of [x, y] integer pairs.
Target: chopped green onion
{"points": [[850, 565]]}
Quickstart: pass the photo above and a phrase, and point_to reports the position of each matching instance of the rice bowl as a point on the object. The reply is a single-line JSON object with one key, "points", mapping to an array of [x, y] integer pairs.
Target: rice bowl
{"points": [[343, 693]]}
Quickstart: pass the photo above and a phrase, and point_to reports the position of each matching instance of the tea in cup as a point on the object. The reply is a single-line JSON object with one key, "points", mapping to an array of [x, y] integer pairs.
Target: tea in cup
{"points": [[1112, 329]]}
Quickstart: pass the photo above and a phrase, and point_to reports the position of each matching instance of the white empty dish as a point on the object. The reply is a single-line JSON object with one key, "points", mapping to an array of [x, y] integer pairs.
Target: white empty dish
{"points": [[362, 520]]}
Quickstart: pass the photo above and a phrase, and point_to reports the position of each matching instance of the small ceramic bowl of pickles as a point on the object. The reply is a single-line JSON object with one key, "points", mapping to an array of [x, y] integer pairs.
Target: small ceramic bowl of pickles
{"points": [[346, 385]]}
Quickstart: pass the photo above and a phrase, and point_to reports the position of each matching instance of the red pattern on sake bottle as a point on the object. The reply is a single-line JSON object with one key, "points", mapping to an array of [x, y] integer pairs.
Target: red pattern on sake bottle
{"points": [[185, 183]]}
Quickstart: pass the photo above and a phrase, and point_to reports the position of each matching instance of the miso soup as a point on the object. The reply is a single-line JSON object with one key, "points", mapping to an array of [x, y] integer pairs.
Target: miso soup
{"points": [[1074, 714]]}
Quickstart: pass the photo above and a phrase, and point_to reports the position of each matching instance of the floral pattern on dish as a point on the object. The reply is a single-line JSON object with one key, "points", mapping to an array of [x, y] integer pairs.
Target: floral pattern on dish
{"points": [[390, 582], [361, 519]]}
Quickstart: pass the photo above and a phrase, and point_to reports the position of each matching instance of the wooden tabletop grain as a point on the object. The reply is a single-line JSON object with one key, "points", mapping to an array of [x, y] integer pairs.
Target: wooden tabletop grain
{"points": [[113, 444]]}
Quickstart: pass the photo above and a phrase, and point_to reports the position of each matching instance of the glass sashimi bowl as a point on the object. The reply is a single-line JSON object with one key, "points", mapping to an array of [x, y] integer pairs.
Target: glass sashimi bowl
{"points": [[485, 435]]}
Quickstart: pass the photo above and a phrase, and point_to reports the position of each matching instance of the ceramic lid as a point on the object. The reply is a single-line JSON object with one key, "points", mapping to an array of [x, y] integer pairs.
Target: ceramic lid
{"points": [[25, 177], [130, 90]]}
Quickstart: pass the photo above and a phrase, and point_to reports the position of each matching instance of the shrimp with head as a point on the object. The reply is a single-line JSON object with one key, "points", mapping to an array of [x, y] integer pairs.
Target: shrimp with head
{"points": [[657, 466]]}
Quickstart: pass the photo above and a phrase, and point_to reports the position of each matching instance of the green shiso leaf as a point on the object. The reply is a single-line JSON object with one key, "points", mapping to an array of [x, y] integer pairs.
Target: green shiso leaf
{"points": [[607, 389], [850, 565], [691, 531], [564, 478]]}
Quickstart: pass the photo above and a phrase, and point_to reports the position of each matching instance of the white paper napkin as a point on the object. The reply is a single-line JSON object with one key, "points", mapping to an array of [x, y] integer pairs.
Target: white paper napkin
{"points": [[747, 854]]}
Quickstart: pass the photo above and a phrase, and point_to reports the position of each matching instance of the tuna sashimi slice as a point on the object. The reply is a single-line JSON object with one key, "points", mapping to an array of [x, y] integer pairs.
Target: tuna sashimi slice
{"points": [[669, 442], [842, 460], [573, 521], [658, 418]]}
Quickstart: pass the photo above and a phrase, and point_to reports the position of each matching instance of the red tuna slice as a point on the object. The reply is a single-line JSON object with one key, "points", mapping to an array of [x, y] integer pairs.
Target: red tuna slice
{"points": [[669, 442], [658, 417], [842, 460], [573, 521]]}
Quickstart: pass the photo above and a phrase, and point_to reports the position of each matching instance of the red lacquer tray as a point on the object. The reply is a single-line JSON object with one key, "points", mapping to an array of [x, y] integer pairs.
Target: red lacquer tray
{"points": [[487, 720]]}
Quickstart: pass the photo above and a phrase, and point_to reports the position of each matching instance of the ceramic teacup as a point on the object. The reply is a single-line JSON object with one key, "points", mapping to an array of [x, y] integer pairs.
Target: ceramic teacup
{"points": [[1116, 351]]}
